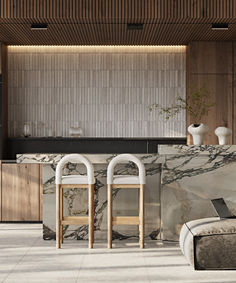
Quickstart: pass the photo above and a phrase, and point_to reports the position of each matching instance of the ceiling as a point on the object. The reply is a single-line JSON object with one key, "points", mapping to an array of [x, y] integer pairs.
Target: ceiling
{"points": [[104, 22]]}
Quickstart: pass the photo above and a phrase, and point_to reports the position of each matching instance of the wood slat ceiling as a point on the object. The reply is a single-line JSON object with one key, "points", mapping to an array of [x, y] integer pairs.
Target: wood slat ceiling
{"points": [[104, 22]]}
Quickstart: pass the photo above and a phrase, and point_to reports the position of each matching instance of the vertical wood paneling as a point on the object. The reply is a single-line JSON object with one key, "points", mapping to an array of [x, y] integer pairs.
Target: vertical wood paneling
{"points": [[104, 90], [82, 22], [117, 9], [210, 64], [20, 192]]}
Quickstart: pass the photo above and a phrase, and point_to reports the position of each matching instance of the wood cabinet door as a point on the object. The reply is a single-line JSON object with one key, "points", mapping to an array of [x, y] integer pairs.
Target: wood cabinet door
{"points": [[20, 192]]}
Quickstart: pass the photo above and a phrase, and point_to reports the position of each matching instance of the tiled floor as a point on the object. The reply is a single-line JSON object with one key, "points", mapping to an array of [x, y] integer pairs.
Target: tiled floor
{"points": [[25, 257]]}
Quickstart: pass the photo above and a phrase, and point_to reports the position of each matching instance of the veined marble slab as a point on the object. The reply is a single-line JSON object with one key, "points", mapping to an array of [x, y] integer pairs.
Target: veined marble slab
{"points": [[181, 180], [50, 158], [198, 150], [76, 200], [191, 176]]}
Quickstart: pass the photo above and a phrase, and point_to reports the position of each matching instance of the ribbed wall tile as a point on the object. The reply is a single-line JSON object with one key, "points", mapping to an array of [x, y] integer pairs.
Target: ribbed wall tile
{"points": [[104, 90]]}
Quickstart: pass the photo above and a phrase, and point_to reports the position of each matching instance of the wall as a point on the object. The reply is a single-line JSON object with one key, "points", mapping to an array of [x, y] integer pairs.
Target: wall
{"points": [[3, 99], [105, 90], [211, 64]]}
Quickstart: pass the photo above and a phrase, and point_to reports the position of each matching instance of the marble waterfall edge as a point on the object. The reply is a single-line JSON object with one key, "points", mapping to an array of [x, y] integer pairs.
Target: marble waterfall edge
{"points": [[191, 176]]}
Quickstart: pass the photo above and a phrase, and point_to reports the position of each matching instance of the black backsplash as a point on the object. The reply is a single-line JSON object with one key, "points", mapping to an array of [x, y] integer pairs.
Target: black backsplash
{"points": [[86, 145]]}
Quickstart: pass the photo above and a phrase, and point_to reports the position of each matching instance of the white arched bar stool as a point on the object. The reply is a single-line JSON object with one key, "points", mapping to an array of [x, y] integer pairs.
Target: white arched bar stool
{"points": [[126, 181], [74, 181]]}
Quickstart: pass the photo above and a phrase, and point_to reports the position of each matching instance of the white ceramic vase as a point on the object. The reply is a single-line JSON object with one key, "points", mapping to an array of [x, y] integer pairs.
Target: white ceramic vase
{"points": [[198, 132], [26, 129], [223, 135]]}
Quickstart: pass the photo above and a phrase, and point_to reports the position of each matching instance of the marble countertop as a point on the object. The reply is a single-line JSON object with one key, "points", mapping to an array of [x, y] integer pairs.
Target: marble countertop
{"points": [[94, 158], [163, 151], [196, 150], [181, 181]]}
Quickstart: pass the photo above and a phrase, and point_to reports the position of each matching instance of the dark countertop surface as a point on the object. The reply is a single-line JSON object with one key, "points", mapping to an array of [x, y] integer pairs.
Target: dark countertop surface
{"points": [[88, 145], [99, 138]]}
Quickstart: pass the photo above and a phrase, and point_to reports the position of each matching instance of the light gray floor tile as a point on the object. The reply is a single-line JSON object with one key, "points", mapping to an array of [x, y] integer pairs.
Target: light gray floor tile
{"points": [[26, 257]]}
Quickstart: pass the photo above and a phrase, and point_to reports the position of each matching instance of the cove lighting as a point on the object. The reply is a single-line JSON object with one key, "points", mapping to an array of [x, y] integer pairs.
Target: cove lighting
{"points": [[97, 48]]}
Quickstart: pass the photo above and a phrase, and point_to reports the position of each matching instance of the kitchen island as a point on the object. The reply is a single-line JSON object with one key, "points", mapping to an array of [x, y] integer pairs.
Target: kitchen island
{"points": [[76, 200], [181, 180]]}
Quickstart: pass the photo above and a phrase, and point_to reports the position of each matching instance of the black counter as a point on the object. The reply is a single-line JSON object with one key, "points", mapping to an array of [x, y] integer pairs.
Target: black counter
{"points": [[86, 145]]}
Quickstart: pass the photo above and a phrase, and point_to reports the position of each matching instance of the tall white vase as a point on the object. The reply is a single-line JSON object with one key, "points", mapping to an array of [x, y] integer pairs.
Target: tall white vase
{"points": [[26, 129], [198, 133], [223, 135]]}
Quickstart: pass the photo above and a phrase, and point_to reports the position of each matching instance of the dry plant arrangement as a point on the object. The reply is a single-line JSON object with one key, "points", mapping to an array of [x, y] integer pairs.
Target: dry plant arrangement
{"points": [[197, 104]]}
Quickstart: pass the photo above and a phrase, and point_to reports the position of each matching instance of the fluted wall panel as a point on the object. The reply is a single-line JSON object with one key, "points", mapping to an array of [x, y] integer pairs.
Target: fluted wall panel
{"points": [[104, 90]]}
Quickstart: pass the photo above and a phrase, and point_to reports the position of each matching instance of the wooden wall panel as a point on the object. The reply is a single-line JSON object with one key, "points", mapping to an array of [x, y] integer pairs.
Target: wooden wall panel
{"points": [[220, 88], [210, 65], [210, 58], [20, 192]]}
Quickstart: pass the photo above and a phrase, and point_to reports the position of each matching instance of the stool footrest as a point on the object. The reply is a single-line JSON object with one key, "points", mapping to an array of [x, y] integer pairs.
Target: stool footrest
{"points": [[123, 186], [125, 220], [74, 186], [70, 220]]}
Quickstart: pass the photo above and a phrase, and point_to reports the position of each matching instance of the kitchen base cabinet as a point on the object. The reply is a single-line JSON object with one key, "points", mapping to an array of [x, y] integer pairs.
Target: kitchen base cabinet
{"points": [[20, 192]]}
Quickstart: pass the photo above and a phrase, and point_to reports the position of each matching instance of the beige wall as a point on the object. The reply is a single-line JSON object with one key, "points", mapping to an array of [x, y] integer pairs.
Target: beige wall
{"points": [[105, 90]]}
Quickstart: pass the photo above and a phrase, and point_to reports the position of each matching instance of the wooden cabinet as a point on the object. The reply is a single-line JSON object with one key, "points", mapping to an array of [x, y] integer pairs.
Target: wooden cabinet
{"points": [[20, 192]]}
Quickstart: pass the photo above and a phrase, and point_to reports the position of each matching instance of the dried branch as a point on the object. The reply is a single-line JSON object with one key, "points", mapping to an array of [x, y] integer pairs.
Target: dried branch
{"points": [[197, 104]]}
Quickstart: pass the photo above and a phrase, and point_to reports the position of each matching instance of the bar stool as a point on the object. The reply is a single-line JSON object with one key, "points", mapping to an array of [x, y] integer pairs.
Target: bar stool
{"points": [[126, 181], [74, 181]]}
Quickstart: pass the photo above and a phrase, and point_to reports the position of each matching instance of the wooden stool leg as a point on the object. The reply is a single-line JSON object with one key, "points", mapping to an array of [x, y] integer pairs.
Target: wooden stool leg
{"points": [[141, 217], [61, 213], [109, 216], [58, 240], [91, 215]]}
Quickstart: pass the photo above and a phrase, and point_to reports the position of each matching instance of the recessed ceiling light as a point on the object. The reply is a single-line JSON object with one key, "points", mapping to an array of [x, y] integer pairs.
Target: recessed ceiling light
{"points": [[134, 26], [220, 26], [39, 26]]}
